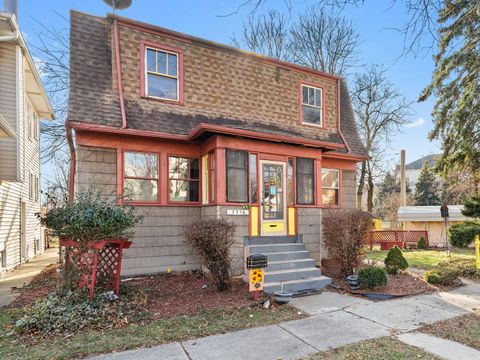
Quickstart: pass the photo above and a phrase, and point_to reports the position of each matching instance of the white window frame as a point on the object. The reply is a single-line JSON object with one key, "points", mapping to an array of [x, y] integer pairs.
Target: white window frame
{"points": [[177, 77], [332, 188], [320, 107]]}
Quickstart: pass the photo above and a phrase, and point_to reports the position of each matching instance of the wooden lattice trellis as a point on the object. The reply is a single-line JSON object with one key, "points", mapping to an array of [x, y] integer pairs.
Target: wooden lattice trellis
{"points": [[100, 263], [396, 236]]}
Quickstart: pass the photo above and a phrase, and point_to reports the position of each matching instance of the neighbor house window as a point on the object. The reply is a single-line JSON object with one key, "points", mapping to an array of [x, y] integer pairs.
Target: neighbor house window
{"points": [[35, 126], [237, 176], [183, 175], [37, 188], [305, 181], [30, 186], [330, 186], [311, 105], [141, 176], [162, 74]]}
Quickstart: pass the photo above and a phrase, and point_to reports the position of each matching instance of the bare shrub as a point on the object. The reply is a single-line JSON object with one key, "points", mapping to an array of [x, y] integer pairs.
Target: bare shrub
{"points": [[212, 240], [344, 232]]}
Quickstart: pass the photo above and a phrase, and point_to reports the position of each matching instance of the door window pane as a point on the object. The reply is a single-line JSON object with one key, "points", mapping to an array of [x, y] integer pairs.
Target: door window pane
{"points": [[272, 193], [290, 184]]}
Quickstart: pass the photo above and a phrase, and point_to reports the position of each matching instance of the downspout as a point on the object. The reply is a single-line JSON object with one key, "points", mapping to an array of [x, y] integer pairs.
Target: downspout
{"points": [[71, 187], [119, 73], [338, 118]]}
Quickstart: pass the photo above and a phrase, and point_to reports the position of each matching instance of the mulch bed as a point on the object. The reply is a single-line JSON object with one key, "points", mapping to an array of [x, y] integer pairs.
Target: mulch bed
{"points": [[187, 293], [405, 284]]}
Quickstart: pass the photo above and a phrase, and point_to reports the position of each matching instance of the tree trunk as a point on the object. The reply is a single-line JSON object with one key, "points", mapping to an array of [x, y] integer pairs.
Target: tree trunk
{"points": [[370, 190], [361, 185]]}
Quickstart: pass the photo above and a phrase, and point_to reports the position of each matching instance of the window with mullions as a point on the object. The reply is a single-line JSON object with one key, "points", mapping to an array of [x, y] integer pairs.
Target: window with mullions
{"points": [[140, 176], [305, 181], [237, 176], [161, 75], [183, 177], [312, 105], [330, 186]]}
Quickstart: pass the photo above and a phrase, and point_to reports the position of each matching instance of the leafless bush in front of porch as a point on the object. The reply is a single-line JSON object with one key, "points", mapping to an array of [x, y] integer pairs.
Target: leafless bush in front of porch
{"points": [[212, 240], [344, 232]]}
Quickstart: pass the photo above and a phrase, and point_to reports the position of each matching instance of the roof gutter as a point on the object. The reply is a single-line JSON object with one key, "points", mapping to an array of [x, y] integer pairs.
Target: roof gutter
{"points": [[116, 37]]}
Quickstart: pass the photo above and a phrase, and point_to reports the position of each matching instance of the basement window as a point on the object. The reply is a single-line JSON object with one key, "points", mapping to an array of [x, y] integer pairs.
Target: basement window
{"points": [[141, 176]]}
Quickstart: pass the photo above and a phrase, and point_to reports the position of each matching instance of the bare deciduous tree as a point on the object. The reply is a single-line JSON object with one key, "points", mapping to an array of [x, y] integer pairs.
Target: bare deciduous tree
{"points": [[267, 34], [380, 109], [324, 42], [317, 40], [50, 48]]}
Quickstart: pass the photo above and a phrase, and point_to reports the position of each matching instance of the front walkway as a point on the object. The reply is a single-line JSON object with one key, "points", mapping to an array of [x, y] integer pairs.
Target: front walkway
{"points": [[336, 320], [24, 274]]}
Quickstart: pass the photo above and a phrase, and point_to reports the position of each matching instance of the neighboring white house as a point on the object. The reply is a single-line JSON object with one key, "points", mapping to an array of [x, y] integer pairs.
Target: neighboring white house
{"points": [[413, 169], [23, 102], [429, 218]]}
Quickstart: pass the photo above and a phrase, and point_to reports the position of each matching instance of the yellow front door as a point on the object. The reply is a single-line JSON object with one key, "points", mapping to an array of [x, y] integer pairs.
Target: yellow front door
{"points": [[273, 210]]}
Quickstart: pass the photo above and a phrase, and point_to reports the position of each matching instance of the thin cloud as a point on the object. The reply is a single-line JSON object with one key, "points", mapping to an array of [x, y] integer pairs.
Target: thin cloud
{"points": [[417, 123]]}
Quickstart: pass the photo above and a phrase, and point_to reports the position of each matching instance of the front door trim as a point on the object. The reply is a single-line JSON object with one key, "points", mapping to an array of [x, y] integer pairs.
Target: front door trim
{"points": [[279, 226]]}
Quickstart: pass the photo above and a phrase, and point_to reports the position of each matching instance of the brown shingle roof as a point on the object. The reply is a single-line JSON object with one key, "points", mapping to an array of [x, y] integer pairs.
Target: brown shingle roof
{"points": [[94, 98]]}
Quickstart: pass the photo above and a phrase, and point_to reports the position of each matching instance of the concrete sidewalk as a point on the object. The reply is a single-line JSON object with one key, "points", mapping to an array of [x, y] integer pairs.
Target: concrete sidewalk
{"points": [[336, 320], [24, 274]]}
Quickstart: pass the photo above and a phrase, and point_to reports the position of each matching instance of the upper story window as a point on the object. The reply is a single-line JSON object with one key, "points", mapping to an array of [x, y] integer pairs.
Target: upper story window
{"points": [[311, 112], [330, 186], [162, 74], [141, 176]]}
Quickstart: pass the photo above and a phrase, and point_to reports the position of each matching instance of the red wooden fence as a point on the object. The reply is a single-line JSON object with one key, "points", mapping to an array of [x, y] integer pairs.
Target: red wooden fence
{"points": [[397, 236]]}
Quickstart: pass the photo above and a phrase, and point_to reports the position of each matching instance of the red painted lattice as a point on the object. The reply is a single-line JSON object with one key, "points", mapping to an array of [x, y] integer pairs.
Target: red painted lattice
{"points": [[398, 236], [100, 263]]}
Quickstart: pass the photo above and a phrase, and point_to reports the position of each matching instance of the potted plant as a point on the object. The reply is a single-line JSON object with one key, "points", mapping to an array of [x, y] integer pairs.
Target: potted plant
{"points": [[94, 230]]}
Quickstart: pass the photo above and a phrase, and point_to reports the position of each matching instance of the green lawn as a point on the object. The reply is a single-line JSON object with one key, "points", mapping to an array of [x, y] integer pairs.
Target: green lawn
{"points": [[423, 259], [180, 327], [379, 349]]}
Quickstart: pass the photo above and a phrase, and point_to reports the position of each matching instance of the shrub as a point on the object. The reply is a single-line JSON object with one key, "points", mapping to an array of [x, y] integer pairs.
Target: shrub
{"points": [[344, 232], [422, 243], [212, 240], [91, 217], [395, 261], [464, 267], [372, 277], [462, 235], [63, 313], [441, 276]]}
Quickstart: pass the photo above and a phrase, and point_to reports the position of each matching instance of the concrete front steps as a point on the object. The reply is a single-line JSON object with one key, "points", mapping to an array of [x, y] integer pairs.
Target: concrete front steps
{"points": [[288, 263]]}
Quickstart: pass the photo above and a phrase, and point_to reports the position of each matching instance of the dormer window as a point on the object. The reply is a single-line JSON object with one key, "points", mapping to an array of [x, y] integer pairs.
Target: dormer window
{"points": [[162, 74], [311, 105]]}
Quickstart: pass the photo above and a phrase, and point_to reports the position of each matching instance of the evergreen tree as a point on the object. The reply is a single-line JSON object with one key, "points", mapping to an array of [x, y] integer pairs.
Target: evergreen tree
{"points": [[427, 188], [472, 207], [456, 86]]}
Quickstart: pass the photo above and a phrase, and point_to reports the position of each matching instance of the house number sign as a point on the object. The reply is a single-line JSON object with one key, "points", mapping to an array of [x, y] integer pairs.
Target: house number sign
{"points": [[237, 211]]}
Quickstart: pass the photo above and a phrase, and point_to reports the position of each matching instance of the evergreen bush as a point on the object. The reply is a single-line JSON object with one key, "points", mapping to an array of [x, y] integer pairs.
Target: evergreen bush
{"points": [[463, 234], [422, 243], [372, 277], [395, 261]]}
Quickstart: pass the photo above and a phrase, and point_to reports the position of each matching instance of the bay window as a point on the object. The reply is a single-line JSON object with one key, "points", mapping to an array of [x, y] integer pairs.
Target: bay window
{"points": [[305, 181], [183, 178], [237, 176], [141, 176], [330, 187]]}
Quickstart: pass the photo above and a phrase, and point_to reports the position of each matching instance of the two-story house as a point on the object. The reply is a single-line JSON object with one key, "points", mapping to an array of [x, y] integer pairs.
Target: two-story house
{"points": [[189, 128], [23, 102]]}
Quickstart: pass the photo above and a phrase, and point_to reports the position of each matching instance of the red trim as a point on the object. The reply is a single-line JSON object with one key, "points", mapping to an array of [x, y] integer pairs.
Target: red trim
{"points": [[300, 103], [342, 156], [202, 128], [158, 46], [156, 30], [71, 175], [116, 37]]}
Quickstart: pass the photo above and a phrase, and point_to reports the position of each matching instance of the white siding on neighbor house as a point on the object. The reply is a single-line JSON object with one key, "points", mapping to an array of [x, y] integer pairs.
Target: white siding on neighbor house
{"points": [[12, 193], [8, 109]]}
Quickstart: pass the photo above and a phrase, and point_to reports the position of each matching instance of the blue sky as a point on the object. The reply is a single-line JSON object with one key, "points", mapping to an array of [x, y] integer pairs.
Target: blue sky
{"points": [[201, 18]]}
